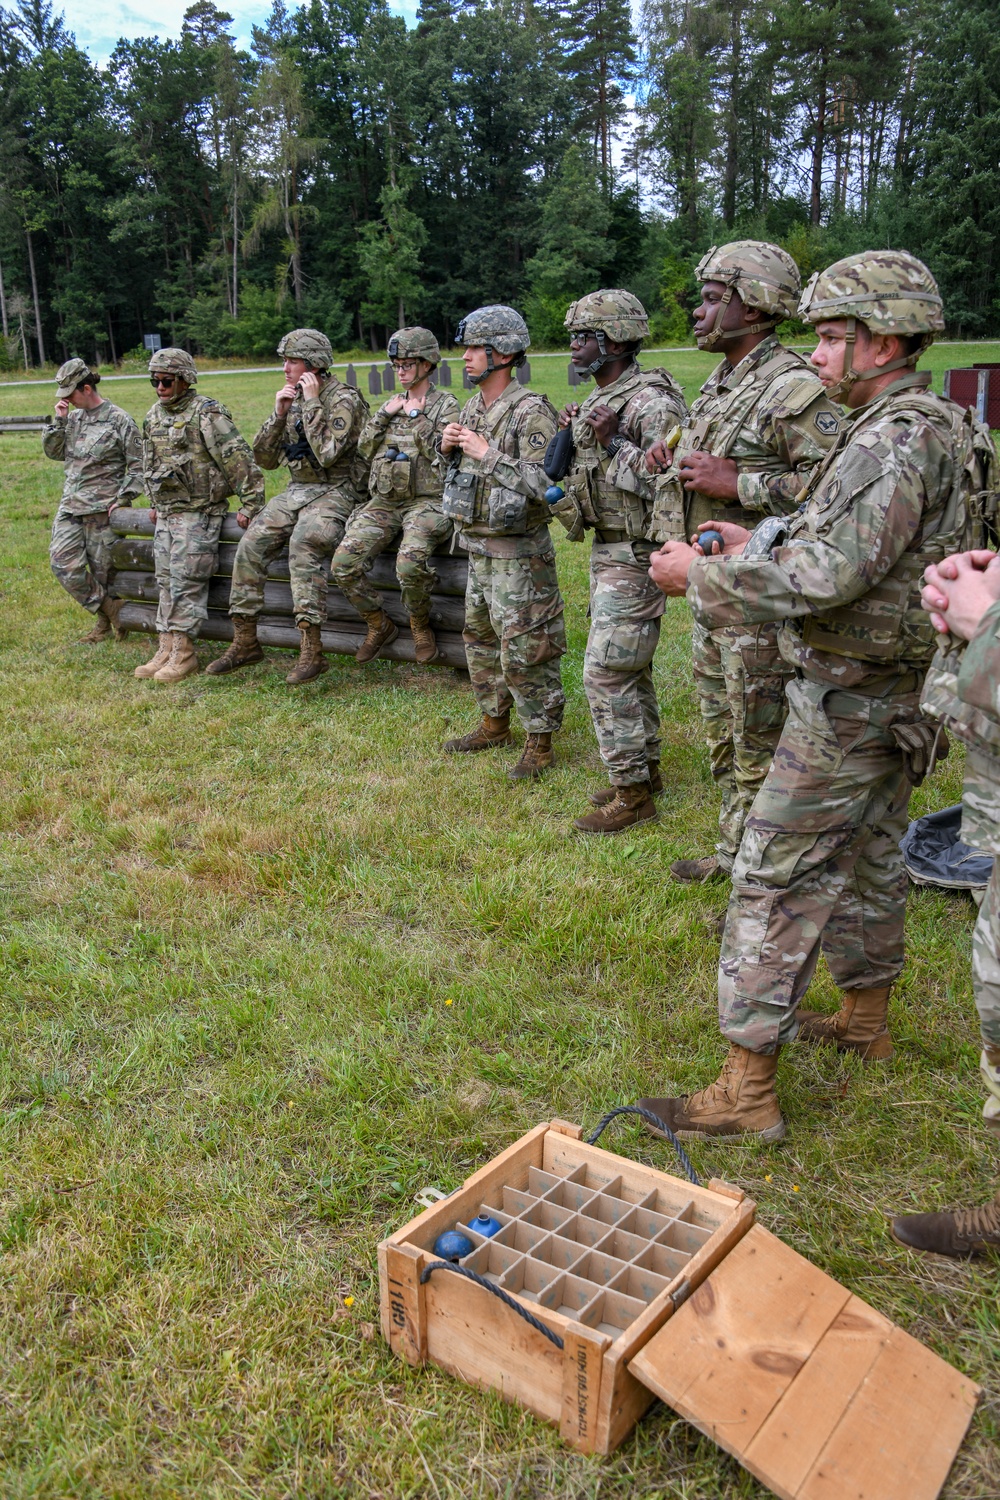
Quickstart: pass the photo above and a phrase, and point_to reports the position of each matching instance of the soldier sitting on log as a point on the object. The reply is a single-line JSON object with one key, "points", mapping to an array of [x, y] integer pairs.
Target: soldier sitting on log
{"points": [[314, 430], [401, 442]]}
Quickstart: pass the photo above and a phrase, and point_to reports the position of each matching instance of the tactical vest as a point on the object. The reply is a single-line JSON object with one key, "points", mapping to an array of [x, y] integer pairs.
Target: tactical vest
{"points": [[480, 500], [677, 513], [602, 505], [303, 465], [887, 625], [404, 468], [183, 473]]}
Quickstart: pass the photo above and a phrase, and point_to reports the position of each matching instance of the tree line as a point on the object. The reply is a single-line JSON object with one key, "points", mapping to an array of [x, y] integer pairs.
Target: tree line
{"points": [[349, 173]]}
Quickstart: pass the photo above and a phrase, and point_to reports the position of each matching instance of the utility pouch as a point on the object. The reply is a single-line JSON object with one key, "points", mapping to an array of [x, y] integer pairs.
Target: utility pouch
{"points": [[507, 512], [923, 742], [458, 500]]}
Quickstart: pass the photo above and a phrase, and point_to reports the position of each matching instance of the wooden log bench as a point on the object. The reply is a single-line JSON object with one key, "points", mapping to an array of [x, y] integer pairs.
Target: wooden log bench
{"points": [[133, 579], [23, 424]]}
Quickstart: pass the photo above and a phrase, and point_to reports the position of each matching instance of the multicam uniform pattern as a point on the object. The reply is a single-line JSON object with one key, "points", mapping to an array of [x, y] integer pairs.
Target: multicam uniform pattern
{"points": [[102, 454], [405, 497], [963, 689], [771, 414], [611, 497], [514, 628], [194, 458], [318, 440], [819, 862]]}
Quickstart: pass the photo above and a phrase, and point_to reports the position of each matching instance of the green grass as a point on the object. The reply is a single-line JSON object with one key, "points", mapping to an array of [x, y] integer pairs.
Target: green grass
{"points": [[232, 918]]}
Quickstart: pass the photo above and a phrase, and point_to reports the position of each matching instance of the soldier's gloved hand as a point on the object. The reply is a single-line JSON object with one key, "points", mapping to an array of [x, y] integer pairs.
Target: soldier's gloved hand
{"points": [[568, 413], [734, 537], [604, 423], [62, 408], [242, 520], [669, 568], [659, 458], [714, 477]]}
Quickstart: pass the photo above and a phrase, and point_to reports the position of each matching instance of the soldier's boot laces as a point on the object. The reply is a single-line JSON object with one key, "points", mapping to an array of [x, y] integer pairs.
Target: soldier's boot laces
{"points": [[381, 632], [740, 1102], [183, 660], [311, 662], [151, 667], [425, 647], [698, 871], [967, 1231], [489, 734], [630, 805], [243, 652], [859, 1025], [609, 793], [537, 756]]}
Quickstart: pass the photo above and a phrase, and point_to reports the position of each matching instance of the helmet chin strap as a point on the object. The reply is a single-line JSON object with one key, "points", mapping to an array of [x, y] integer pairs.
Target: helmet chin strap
{"points": [[851, 377], [715, 336], [491, 368]]}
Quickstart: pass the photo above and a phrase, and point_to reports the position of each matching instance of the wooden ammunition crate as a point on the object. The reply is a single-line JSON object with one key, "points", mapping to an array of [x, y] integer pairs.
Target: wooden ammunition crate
{"points": [[660, 1288]]}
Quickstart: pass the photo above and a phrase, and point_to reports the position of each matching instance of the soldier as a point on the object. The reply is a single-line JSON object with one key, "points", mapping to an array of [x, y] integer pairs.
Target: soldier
{"points": [[401, 443], [494, 492], [99, 445], [819, 863], [963, 688], [608, 492], [758, 429], [314, 430], [193, 459]]}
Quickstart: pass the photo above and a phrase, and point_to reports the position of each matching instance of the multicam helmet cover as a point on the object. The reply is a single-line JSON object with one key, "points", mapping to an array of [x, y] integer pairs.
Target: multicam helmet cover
{"points": [[71, 375], [499, 330], [414, 343], [890, 291], [307, 344], [174, 362], [761, 274], [612, 313]]}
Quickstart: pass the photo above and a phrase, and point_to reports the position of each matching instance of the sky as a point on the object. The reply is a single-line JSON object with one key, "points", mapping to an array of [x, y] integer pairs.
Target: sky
{"points": [[98, 24]]}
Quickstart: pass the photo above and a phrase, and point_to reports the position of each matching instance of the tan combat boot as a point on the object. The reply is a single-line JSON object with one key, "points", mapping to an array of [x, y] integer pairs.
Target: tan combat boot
{"points": [[107, 620], [536, 757], [244, 651], [630, 805], [311, 660], [740, 1102], [859, 1025], [967, 1231], [424, 644], [381, 632], [151, 667], [489, 734], [183, 660], [698, 871], [609, 793], [99, 631]]}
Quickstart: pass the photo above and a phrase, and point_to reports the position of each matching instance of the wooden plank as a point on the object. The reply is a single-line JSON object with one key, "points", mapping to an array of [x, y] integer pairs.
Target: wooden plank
{"points": [[727, 1356], [899, 1436], [566, 1127], [405, 1297], [791, 1439], [583, 1360], [562, 1155]]}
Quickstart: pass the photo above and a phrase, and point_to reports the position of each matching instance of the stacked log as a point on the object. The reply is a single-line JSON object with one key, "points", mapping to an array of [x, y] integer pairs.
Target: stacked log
{"points": [[134, 580]]}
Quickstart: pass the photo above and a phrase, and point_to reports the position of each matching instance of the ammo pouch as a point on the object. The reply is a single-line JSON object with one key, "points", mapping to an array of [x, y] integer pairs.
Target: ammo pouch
{"points": [[922, 743], [507, 511], [458, 500], [394, 479]]}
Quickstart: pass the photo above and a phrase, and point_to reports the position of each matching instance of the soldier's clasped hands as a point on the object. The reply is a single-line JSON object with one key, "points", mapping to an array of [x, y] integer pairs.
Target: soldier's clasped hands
{"points": [[471, 443], [959, 590]]}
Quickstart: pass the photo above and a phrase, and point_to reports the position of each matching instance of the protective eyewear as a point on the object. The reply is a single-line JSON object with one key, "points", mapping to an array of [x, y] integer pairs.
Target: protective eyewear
{"points": [[581, 335], [404, 364], [165, 380]]}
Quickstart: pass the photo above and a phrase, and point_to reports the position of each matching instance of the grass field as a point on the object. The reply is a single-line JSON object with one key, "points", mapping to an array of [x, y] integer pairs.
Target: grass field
{"points": [[271, 964]]}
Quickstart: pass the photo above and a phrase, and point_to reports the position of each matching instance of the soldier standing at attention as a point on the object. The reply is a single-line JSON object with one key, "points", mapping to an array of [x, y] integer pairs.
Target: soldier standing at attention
{"points": [[819, 863], [314, 430], [193, 459], [962, 594], [401, 443], [494, 492], [99, 445], [616, 423], [755, 434]]}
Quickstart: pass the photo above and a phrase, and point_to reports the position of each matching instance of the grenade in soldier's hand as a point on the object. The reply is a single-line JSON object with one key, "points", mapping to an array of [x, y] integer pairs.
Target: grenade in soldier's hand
{"points": [[707, 540]]}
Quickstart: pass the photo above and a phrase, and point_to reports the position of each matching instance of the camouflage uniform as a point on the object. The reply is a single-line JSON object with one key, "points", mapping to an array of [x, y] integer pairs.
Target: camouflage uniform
{"points": [[608, 493], [102, 454], [405, 497], [194, 458], [514, 628], [318, 441], [772, 416], [819, 864]]}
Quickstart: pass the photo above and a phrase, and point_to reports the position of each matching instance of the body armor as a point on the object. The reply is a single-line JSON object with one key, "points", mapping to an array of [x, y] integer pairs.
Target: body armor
{"points": [[183, 475], [606, 496]]}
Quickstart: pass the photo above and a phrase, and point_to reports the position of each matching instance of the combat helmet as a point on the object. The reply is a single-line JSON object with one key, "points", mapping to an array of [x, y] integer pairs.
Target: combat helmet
{"points": [[71, 375], [499, 330], [611, 313], [308, 344], [762, 274], [414, 343], [890, 291], [174, 362]]}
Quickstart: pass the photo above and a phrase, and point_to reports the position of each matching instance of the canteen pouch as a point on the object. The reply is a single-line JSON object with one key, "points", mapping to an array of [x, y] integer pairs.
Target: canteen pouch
{"points": [[394, 478], [458, 501]]}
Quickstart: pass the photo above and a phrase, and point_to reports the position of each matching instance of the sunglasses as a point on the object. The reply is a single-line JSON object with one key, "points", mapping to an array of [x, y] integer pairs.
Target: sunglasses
{"points": [[164, 380]]}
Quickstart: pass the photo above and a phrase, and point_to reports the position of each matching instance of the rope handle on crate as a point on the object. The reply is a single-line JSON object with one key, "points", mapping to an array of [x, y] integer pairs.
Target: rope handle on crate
{"points": [[658, 1124], [495, 1291]]}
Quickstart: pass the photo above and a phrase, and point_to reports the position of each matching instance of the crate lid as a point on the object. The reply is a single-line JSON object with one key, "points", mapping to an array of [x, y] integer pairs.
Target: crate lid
{"points": [[814, 1392]]}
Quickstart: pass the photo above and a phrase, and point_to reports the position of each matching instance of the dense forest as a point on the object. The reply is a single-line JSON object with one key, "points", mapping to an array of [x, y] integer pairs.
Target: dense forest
{"points": [[352, 173]]}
